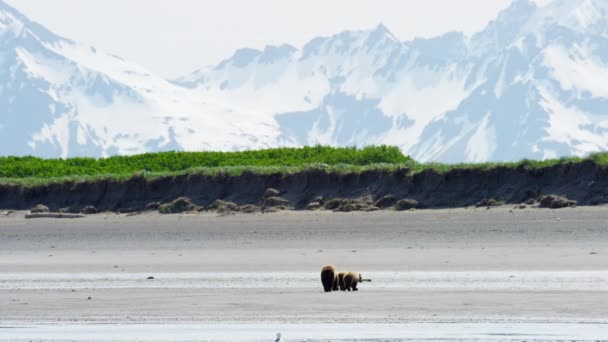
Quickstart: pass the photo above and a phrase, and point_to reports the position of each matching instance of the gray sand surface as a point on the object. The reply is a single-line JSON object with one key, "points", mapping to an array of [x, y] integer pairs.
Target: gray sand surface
{"points": [[546, 249]]}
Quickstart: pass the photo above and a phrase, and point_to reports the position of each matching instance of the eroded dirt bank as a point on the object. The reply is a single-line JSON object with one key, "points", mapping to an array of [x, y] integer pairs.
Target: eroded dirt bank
{"points": [[586, 183]]}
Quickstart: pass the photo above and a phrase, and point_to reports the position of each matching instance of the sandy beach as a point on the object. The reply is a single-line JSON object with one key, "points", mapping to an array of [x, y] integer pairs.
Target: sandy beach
{"points": [[431, 266]]}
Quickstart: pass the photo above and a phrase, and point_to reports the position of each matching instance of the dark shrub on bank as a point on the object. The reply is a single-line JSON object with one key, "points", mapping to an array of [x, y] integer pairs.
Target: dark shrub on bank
{"points": [[386, 201], [249, 209], [40, 208], [556, 202], [319, 199], [344, 205], [89, 210], [406, 204], [276, 201], [223, 206], [349, 206], [178, 205], [314, 206], [270, 192], [152, 206], [334, 203], [489, 203]]}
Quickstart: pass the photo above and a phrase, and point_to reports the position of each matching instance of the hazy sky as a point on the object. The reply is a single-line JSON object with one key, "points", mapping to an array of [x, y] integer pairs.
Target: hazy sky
{"points": [[174, 37]]}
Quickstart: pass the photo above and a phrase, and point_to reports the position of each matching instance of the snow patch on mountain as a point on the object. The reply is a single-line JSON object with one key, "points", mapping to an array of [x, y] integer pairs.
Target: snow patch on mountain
{"points": [[577, 70], [483, 142]]}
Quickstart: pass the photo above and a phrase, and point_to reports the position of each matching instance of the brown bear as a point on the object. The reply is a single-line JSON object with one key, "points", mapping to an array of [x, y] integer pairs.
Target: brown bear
{"points": [[335, 287], [328, 277], [341, 285], [351, 280]]}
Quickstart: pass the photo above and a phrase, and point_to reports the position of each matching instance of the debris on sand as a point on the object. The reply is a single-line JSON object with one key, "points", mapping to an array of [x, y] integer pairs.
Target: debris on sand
{"points": [[135, 213], [406, 204], [179, 205], [556, 202], [89, 210], [386, 201], [489, 203], [40, 208], [150, 278]]}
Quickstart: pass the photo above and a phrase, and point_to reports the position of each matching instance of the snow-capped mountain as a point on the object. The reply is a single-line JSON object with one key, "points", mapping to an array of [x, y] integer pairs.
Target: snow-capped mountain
{"points": [[530, 85], [59, 98]]}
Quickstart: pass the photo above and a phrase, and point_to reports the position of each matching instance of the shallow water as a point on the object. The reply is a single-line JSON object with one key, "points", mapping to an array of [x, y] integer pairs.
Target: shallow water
{"points": [[579, 281], [309, 332], [545, 281]]}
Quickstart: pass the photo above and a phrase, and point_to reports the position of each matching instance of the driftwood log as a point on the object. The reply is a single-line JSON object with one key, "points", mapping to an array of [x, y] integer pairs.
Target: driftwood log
{"points": [[54, 215]]}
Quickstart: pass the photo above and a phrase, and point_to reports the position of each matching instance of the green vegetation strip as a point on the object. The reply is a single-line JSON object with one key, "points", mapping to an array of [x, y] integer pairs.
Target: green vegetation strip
{"points": [[166, 163], [31, 171], [207, 171]]}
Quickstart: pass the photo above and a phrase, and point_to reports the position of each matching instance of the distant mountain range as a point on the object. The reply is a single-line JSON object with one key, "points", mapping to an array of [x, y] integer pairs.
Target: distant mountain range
{"points": [[532, 84]]}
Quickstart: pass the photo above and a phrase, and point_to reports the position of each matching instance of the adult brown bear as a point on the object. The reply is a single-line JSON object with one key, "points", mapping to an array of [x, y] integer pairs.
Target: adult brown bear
{"points": [[351, 279], [328, 277]]}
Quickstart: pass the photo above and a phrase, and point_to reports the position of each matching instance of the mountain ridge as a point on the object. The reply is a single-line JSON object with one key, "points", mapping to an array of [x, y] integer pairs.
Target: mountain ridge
{"points": [[526, 86], [518, 58], [88, 103]]}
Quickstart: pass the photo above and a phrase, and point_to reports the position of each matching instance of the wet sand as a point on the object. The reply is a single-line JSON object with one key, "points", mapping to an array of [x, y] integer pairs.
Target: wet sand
{"points": [[460, 265]]}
